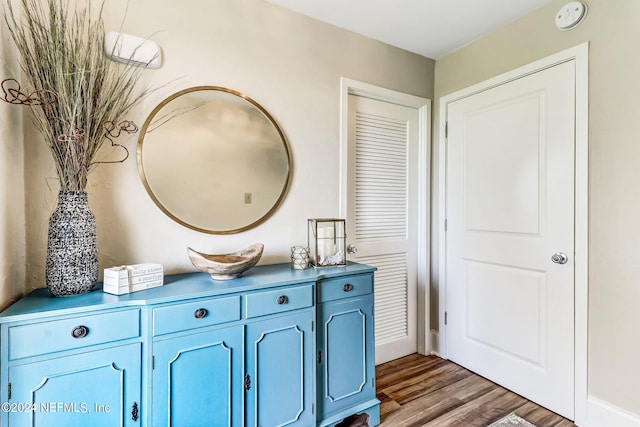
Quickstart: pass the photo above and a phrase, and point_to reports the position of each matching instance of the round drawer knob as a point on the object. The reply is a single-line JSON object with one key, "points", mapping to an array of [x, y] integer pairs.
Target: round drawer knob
{"points": [[79, 332], [200, 313], [347, 287], [282, 299]]}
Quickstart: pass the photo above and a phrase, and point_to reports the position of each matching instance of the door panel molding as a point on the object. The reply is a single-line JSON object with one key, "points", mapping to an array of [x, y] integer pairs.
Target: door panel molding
{"points": [[580, 55], [423, 105]]}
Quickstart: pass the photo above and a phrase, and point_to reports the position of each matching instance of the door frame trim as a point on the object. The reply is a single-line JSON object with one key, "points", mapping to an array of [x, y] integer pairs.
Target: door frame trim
{"points": [[579, 54], [423, 105]]}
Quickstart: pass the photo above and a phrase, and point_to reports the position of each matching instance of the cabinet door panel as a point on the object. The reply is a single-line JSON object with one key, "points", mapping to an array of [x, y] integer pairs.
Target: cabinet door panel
{"points": [[97, 388], [280, 364], [345, 337], [197, 379]]}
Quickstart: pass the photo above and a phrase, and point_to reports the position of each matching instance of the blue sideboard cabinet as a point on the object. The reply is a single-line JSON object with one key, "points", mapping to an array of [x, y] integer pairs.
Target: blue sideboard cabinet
{"points": [[276, 347]]}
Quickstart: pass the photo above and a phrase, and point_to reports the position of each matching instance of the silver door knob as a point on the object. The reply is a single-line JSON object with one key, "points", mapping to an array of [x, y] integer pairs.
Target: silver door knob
{"points": [[559, 258], [351, 249]]}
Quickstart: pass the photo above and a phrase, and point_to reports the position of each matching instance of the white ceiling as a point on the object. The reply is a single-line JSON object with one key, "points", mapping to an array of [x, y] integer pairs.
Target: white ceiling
{"points": [[431, 28]]}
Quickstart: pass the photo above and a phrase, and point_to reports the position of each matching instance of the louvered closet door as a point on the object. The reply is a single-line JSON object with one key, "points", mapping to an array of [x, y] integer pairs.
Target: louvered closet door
{"points": [[382, 215]]}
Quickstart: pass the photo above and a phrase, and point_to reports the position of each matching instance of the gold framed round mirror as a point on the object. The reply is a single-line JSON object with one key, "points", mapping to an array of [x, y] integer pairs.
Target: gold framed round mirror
{"points": [[214, 160]]}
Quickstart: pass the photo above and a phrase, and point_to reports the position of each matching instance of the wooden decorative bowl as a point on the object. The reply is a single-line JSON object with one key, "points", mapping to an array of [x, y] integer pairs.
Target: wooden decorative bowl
{"points": [[226, 266]]}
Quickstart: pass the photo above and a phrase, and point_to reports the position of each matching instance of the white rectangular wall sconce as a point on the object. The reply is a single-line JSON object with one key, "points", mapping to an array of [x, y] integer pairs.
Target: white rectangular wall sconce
{"points": [[132, 49]]}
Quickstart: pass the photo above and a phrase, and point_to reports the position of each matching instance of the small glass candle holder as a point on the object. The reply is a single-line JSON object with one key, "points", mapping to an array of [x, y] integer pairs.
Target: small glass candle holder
{"points": [[300, 257], [327, 242]]}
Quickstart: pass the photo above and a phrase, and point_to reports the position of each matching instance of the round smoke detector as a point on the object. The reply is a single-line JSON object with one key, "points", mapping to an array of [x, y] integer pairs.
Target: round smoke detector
{"points": [[570, 15]]}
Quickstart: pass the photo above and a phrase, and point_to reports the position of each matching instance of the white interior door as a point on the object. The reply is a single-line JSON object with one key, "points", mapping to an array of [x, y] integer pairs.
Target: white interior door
{"points": [[509, 209], [382, 215]]}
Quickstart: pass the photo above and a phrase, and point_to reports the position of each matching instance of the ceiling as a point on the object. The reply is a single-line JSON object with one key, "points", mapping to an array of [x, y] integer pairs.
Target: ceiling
{"points": [[431, 28]]}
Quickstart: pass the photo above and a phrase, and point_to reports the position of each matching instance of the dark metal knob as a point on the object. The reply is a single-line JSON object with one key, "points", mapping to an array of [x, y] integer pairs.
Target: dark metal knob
{"points": [[200, 313], [347, 287], [134, 412], [282, 299], [79, 332]]}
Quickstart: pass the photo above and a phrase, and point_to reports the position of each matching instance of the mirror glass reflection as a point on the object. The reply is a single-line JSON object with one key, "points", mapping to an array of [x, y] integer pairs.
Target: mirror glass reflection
{"points": [[214, 160]]}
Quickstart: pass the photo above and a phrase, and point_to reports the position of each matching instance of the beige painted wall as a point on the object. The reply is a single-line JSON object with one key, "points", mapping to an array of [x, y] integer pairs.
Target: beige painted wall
{"points": [[614, 148], [288, 63], [12, 226]]}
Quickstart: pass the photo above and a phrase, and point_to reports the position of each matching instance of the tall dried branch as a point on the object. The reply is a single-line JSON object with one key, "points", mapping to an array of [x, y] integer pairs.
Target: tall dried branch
{"points": [[61, 55]]}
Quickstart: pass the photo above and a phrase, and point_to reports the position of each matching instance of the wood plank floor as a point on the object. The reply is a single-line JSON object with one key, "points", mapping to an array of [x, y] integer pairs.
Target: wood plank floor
{"points": [[421, 390]]}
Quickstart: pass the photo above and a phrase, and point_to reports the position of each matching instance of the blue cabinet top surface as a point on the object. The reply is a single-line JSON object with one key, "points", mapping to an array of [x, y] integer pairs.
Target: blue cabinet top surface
{"points": [[176, 287]]}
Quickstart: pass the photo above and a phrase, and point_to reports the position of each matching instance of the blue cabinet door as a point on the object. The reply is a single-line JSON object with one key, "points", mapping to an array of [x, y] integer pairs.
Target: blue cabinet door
{"points": [[97, 388], [197, 379], [279, 369], [346, 364]]}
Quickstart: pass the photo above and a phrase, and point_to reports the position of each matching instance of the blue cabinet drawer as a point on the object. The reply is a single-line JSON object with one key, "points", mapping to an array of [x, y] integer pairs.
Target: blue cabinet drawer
{"points": [[279, 300], [345, 287], [197, 314], [65, 334]]}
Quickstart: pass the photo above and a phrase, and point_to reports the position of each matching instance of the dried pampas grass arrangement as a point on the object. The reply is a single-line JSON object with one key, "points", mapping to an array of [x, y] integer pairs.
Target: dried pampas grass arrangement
{"points": [[78, 96]]}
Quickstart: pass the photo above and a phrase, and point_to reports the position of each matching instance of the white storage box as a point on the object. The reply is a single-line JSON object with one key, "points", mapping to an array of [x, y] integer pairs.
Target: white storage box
{"points": [[131, 278]]}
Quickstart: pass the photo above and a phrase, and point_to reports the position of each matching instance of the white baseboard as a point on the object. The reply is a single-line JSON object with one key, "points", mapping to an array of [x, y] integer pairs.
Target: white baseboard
{"points": [[604, 414]]}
